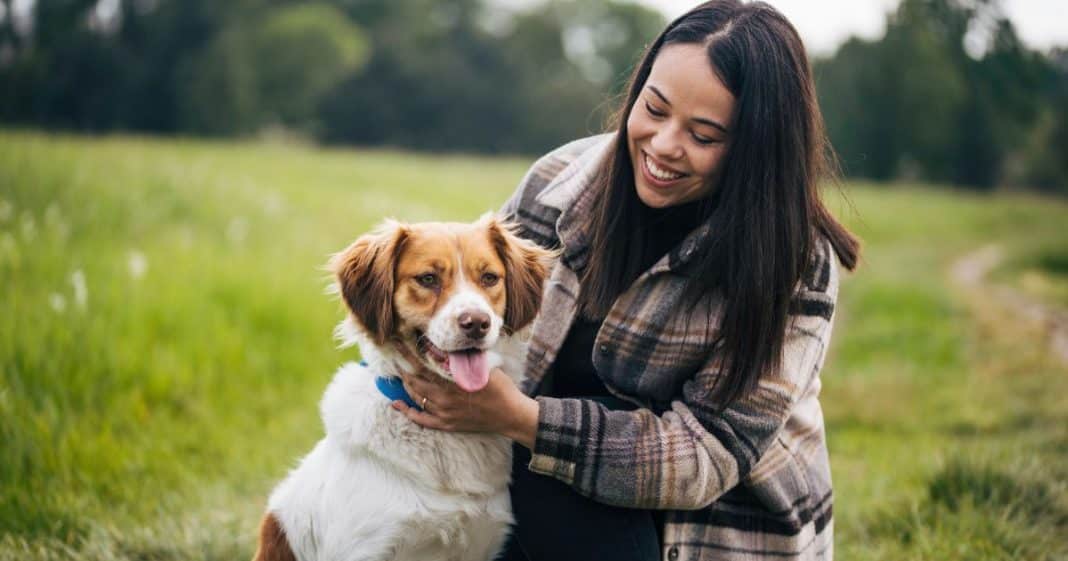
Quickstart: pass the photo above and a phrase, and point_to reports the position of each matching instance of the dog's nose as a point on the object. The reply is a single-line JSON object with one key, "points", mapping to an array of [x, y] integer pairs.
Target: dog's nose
{"points": [[475, 324]]}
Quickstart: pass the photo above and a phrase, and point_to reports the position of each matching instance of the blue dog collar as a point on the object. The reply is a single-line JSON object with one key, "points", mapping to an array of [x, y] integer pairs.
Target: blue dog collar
{"points": [[393, 389]]}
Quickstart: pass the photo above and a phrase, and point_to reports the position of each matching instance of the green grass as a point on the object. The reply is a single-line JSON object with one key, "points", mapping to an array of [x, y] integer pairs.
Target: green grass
{"points": [[1041, 272], [149, 421]]}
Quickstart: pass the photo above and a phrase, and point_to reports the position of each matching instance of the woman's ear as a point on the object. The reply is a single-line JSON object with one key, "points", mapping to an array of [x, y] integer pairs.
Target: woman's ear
{"points": [[365, 277], [526, 267]]}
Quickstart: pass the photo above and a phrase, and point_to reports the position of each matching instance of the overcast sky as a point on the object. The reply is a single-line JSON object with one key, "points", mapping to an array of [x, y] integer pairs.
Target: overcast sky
{"points": [[824, 24]]}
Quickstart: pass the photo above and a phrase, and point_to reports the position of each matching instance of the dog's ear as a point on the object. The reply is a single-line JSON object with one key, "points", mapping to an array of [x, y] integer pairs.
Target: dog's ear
{"points": [[526, 267], [365, 277]]}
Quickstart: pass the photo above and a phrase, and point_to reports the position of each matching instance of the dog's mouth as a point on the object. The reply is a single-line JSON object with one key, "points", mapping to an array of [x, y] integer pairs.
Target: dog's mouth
{"points": [[468, 367]]}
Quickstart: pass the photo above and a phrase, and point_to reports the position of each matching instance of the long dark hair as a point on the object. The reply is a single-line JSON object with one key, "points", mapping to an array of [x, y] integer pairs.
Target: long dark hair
{"points": [[765, 208]]}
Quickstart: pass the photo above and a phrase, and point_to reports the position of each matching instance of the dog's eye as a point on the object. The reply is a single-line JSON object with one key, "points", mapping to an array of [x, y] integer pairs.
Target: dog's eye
{"points": [[429, 280], [489, 279]]}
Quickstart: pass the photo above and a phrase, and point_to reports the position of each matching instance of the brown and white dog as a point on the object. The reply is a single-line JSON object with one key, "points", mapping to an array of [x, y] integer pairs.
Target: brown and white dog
{"points": [[458, 297]]}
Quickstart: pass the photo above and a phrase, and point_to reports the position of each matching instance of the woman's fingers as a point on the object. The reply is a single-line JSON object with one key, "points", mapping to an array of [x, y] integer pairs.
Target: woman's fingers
{"points": [[436, 393], [416, 388], [421, 383], [421, 418]]}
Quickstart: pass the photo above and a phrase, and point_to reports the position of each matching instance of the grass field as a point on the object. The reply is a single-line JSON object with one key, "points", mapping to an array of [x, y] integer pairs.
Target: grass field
{"points": [[165, 337]]}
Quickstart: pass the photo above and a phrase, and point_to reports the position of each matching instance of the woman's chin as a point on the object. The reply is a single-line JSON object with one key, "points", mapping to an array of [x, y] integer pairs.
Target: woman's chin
{"points": [[656, 198]]}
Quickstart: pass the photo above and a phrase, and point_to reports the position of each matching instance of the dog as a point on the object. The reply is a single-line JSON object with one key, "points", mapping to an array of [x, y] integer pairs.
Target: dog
{"points": [[459, 299]]}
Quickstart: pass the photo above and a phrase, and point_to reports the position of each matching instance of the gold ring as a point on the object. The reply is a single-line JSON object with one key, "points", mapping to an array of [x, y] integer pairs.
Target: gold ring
{"points": [[422, 405]]}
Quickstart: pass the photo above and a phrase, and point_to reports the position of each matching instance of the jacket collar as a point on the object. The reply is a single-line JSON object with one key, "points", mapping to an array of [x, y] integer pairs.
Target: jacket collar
{"points": [[569, 194]]}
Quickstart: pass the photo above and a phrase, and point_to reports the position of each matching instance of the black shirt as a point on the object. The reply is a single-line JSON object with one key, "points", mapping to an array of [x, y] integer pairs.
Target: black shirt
{"points": [[572, 373]]}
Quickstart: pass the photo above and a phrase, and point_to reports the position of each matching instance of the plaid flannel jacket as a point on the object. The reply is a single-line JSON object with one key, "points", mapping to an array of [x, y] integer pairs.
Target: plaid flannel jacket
{"points": [[747, 483]]}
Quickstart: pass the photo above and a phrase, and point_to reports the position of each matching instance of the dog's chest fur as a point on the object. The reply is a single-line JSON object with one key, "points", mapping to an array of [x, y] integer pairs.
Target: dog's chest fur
{"points": [[381, 487]]}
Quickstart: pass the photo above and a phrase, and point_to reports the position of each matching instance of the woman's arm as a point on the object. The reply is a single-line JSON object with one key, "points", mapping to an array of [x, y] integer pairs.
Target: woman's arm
{"points": [[683, 459]]}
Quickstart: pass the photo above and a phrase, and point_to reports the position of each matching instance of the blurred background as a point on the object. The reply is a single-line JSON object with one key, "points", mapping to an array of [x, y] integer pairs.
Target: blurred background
{"points": [[175, 173], [944, 91]]}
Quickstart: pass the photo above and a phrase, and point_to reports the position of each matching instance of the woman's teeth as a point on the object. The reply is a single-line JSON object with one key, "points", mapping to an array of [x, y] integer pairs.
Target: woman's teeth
{"points": [[659, 172]]}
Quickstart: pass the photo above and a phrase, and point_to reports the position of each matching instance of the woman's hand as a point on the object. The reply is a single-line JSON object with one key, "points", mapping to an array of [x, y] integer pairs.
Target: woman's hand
{"points": [[497, 408]]}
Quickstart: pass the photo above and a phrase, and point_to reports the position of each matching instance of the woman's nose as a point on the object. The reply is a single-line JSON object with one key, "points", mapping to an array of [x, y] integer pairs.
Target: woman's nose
{"points": [[665, 143]]}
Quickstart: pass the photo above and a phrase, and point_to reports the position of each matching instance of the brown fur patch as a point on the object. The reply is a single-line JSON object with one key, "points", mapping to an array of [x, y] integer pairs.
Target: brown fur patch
{"points": [[527, 266], [273, 543], [365, 276]]}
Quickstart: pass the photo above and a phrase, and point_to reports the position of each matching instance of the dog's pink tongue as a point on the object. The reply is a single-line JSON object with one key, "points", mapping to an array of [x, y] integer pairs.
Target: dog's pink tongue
{"points": [[469, 369]]}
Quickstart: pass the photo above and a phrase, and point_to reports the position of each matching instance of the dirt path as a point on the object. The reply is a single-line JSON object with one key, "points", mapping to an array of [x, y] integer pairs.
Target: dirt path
{"points": [[971, 270]]}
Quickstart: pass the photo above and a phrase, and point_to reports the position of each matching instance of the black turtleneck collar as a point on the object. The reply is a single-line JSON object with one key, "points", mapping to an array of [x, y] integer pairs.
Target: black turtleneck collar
{"points": [[665, 228]]}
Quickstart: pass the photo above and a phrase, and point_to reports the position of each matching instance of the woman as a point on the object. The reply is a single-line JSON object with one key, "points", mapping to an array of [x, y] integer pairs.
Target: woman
{"points": [[671, 404]]}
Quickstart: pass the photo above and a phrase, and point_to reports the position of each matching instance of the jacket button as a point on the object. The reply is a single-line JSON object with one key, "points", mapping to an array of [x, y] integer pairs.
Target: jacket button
{"points": [[603, 349], [673, 553]]}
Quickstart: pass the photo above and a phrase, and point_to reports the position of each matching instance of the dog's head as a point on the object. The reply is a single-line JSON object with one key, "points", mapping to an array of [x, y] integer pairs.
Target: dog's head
{"points": [[446, 291]]}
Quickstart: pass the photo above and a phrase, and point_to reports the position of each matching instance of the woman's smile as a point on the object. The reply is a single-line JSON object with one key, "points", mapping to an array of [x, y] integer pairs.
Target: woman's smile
{"points": [[660, 175]]}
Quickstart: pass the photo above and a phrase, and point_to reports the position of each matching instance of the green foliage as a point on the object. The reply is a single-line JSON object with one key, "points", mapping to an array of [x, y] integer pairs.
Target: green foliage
{"points": [[976, 510], [459, 75], [1041, 271], [269, 71], [219, 87], [949, 94], [510, 86], [302, 51]]}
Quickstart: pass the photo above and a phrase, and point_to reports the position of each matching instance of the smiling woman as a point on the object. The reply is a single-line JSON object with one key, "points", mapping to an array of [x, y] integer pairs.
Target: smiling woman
{"points": [[672, 381]]}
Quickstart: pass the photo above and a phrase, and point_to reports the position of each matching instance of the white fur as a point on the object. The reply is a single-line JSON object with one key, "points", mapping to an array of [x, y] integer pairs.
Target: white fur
{"points": [[378, 486]]}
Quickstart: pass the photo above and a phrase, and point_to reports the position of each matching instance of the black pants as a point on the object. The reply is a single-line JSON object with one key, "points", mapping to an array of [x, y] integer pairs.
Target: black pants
{"points": [[554, 523]]}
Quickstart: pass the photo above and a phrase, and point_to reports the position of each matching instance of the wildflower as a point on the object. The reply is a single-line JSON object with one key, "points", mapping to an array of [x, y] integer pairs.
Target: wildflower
{"points": [[186, 237], [53, 218], [51, 214], [29, 226], [237, 231], [274, 204], [81, 291], [9, 248], [138, 264], [58, 302]]}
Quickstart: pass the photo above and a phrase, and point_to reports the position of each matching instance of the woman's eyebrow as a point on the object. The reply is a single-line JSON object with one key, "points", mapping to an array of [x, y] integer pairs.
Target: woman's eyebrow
{"points": [[658, 92], [701, 120]]}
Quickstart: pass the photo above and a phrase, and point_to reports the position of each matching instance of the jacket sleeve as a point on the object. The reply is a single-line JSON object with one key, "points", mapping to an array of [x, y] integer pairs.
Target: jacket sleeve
{"points": [[688, 456]]}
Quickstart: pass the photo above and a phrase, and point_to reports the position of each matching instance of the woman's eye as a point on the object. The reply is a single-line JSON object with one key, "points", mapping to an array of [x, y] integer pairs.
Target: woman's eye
{"points": [[429, 280], [653, 111], [489, 279], [702, 139]]}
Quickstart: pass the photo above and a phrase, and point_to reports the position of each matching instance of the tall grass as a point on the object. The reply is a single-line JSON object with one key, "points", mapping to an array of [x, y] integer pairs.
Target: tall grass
{"points": [[165, 337]]}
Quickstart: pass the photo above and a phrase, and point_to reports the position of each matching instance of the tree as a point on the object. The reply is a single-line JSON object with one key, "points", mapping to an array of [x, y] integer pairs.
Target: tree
{"points": [[948, 94], [273, 69]]}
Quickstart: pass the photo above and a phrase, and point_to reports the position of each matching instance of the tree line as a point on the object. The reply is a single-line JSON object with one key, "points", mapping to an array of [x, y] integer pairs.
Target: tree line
{"points": [[950, 94]]}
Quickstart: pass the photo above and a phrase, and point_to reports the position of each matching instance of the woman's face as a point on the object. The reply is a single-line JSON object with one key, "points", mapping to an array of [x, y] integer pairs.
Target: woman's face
{"points": [[678, 129]]}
